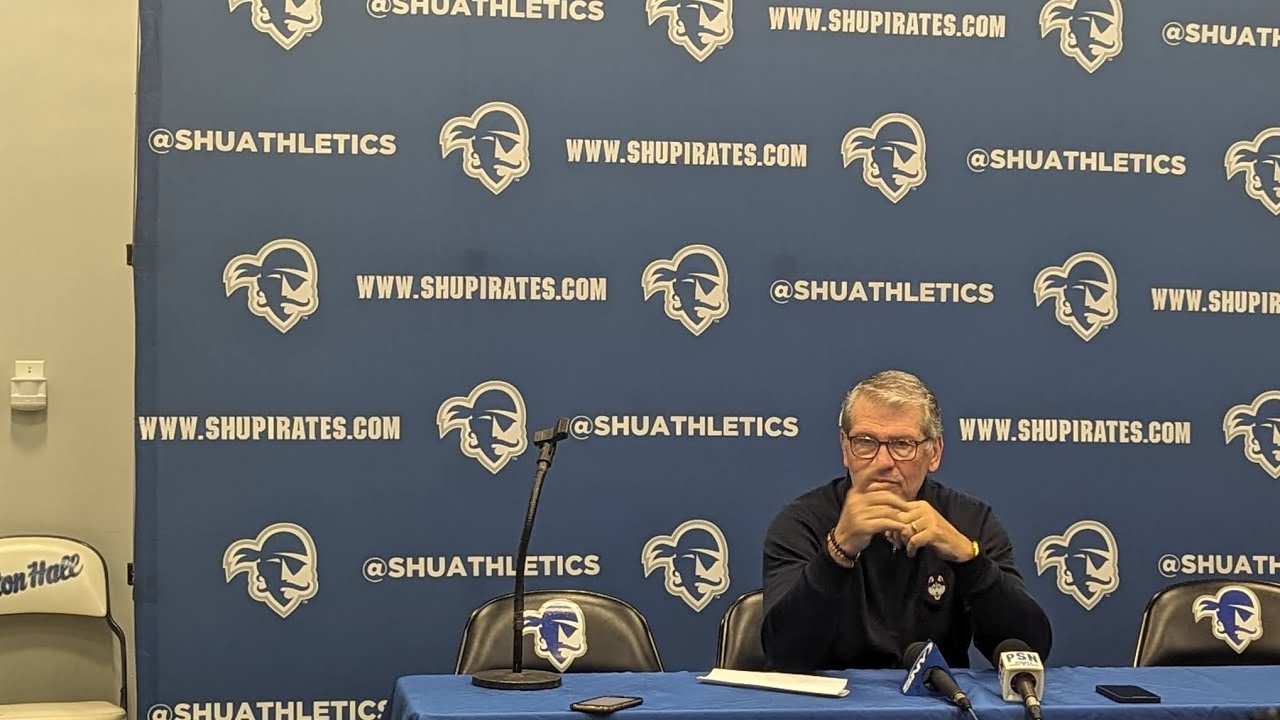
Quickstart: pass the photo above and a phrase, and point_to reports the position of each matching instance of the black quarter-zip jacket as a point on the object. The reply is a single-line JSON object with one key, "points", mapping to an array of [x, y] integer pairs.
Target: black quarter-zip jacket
{"points": [[821, 616]]}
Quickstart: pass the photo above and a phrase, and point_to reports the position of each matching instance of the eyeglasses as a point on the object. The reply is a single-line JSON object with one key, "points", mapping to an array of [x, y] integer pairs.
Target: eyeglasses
{"points": [[900, 449]]}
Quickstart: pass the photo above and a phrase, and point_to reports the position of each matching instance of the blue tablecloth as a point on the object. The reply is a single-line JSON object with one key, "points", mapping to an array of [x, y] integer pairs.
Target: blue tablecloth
{"points": [[1187, 693]]}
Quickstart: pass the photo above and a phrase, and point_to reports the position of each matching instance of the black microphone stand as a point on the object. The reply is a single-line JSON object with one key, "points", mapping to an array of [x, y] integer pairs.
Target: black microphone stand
{"points": [[517, 678]]}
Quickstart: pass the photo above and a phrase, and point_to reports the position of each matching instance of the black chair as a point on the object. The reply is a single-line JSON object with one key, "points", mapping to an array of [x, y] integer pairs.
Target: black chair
{"points": [[1211, 622], [738, 644], [604, 634]]}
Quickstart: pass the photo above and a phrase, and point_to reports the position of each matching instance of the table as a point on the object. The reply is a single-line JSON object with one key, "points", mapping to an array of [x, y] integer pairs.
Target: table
{"points": [[1206, 693]]}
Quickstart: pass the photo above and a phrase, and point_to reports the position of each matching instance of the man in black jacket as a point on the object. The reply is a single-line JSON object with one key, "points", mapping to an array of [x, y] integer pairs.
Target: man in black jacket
{"points": [[858, 569]]}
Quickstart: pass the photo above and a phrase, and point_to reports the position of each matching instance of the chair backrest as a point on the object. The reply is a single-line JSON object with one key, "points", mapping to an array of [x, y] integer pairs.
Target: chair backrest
{"points": [[54, 575], [738, 646], [564, 631], [1215, 621]]}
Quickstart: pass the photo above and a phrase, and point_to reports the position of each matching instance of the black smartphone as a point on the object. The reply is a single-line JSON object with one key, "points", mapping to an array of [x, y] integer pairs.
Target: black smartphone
{"points": [[1128, 693], [605, 704]]}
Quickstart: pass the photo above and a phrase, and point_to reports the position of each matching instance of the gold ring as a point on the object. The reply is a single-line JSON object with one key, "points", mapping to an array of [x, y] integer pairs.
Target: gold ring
{"points": [[913, 527]]}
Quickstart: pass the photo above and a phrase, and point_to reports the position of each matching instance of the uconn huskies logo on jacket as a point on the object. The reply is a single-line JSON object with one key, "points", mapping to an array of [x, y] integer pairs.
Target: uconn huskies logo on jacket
{"points": [[560, 632], [936, 587], [1235, 615], [694, 559], [1085, 559], [1090, 32], [279, 567], [280, 282]]}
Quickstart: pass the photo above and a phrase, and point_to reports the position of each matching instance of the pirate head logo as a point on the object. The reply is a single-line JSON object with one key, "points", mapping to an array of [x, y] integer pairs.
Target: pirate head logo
{"points": [[694, 284], [1259, 160], [1090, 31], [286, 21], [560, 632], [490, 421], [494, 141], [892, 154], [695, 559], [1086, 559], [279, 564], [1259, 424], [279, 280], [1083, 290], [1234, 613], [698, 26], [937, 587]]}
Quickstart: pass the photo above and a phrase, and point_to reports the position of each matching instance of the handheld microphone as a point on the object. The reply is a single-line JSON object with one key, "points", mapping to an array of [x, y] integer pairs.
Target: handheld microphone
{"points": [[1021, 675], [928, 669]]}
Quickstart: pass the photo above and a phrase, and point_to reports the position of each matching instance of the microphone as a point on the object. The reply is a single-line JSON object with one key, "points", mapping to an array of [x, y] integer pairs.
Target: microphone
{"points": [[517, 678], [1021, 675], [928, 671]]}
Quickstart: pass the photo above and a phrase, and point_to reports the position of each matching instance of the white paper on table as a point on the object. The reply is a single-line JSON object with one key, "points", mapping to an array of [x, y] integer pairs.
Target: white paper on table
{"points": [[785, 682]]}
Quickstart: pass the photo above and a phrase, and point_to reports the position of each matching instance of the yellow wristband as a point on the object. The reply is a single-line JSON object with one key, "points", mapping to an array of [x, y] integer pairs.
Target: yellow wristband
{"points": [[975, 549]]}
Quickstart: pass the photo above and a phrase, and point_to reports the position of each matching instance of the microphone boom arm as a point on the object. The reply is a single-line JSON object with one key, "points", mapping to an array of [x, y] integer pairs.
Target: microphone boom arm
{"points": [[517, 678]]}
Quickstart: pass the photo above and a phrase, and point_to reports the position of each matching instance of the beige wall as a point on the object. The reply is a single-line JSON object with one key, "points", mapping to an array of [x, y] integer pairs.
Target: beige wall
{"points": [[67, 79]]}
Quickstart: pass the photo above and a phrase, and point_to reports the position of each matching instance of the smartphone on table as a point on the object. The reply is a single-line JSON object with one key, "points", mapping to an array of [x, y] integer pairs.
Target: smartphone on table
{"points": [[1127, 693], [605, 704]]}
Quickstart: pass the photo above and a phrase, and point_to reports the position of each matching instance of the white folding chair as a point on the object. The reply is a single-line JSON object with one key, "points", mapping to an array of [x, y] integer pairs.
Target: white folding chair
{"points": [[50, 575]]}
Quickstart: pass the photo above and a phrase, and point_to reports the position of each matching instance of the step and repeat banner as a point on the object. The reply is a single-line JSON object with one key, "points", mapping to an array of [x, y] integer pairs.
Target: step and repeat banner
{"points": [[381, 243]]}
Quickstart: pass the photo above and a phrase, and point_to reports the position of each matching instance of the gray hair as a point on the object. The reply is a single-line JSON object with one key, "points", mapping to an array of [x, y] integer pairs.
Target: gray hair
{"points": [[895, 389]]}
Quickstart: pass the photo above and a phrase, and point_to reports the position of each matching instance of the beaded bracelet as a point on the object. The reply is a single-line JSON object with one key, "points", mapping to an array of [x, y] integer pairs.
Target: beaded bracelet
{"points": [[843, 558]]}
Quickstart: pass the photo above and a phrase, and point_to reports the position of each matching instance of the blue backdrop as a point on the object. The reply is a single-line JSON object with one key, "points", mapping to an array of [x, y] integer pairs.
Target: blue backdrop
{"points": [[380, 244]]}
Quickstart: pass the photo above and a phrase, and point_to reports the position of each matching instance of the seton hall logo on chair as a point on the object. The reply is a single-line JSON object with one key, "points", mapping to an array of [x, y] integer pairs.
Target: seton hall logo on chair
{"points": [[1235, 615], [1090, 32], [40, 573], [279, 565], [695, 560], [1086, 559], [560, 632], [285, 21]]}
